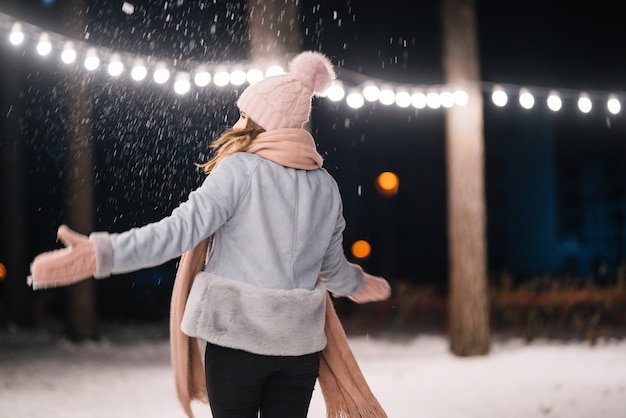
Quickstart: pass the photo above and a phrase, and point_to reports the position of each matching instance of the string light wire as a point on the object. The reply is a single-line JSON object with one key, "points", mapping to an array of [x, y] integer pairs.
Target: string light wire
{"points": [[354, 88]]}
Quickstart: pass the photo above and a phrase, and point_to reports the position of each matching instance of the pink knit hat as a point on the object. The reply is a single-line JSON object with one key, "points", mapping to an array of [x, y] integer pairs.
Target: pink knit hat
{"points": [[284, 101]]}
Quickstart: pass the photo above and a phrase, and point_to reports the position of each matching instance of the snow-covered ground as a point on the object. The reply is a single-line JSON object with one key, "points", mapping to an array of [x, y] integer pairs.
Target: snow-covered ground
{"points": [[127, 374]]}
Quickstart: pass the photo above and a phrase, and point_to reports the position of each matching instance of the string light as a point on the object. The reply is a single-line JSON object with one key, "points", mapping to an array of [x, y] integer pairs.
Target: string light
{"points": [[182, 85], [371, 92], [526, 99], [387, 96], [274, 70], [584, 103], [237, 77], [44, 46], [403, 99], [499, 96], [360, 89], [161, 74], [447, 99], [554, 101], [68, 56], [418, 100], [433, 100], [461, 98], [16, 37], [202, 77], [139, 71], [92, 62], [221, 78], [355, 99], [613, 104], [335, 92], [115, 68], [254, 75]]}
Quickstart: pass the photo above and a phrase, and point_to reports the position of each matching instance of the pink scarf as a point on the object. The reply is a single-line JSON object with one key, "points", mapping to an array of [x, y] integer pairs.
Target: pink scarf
{"points": [[290, 147], [345, 391]]}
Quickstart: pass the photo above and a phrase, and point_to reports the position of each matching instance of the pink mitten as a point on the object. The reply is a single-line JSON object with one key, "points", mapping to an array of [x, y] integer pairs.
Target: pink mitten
{"points": [[374, 290], [65, 266]]}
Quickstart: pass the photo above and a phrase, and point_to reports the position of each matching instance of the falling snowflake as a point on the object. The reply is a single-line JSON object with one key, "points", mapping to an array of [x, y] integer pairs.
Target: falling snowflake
{"points": [[128, 8]]}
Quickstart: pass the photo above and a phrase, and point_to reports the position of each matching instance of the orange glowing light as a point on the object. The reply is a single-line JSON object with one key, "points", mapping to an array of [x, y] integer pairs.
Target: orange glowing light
{"points": [[388, 183], [3, 271], [361, 249]]}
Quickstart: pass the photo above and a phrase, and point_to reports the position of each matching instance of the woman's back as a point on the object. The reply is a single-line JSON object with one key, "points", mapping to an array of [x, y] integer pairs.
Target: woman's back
{"points": [[284, 222]]}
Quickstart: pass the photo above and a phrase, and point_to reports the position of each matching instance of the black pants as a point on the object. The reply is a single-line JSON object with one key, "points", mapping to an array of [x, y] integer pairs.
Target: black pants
{"points": [[241, 384]]}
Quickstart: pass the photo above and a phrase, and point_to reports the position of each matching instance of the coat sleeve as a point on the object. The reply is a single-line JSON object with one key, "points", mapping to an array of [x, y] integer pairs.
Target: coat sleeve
{"points": [[206, 209], [340, 276]]}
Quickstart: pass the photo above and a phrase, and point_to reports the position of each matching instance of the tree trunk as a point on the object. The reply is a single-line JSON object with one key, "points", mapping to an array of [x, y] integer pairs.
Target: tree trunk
{"points": [[14, 305], [81, 321], [274, 29], [468, 301]]}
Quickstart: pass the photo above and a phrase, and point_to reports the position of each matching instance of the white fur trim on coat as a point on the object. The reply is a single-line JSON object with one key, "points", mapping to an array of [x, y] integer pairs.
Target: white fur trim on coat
{"points": [[258, 320]]}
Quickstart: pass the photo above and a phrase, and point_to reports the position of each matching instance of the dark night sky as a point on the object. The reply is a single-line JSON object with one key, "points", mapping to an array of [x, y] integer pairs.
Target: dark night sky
{"points": [[147, 142]]}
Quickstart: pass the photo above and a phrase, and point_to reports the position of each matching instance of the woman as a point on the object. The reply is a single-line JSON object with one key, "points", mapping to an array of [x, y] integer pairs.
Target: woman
{"points": [[275, 221]]}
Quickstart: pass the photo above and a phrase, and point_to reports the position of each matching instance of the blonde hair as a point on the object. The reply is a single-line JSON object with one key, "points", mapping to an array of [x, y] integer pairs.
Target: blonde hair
{"points": [[230, 142]]}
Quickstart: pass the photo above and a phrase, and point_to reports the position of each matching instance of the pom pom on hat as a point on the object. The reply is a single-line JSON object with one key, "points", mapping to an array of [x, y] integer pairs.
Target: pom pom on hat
{"points": [[284, 101], [313, 70]]}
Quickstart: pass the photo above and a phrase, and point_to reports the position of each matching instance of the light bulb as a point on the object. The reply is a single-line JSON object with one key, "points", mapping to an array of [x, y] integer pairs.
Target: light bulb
{"points": [[387, 96], [44, 46], [139, 71], [418, 100], [526, 99], [371, 93], [116, 67], [584, 103], [161, 74], [221, 78], [447, 99], [613, 104], [254, 75], [433, 100], [182, 84], [335, 92], [499, 96], [17, 36], [355, 100], [202, 77], [403, 99], [91, 60], [237, 77], [68, 55], [461, 97]]}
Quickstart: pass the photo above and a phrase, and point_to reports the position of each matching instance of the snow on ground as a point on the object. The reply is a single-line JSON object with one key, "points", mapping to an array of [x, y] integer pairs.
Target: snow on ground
{"points": [[127, 374]]}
